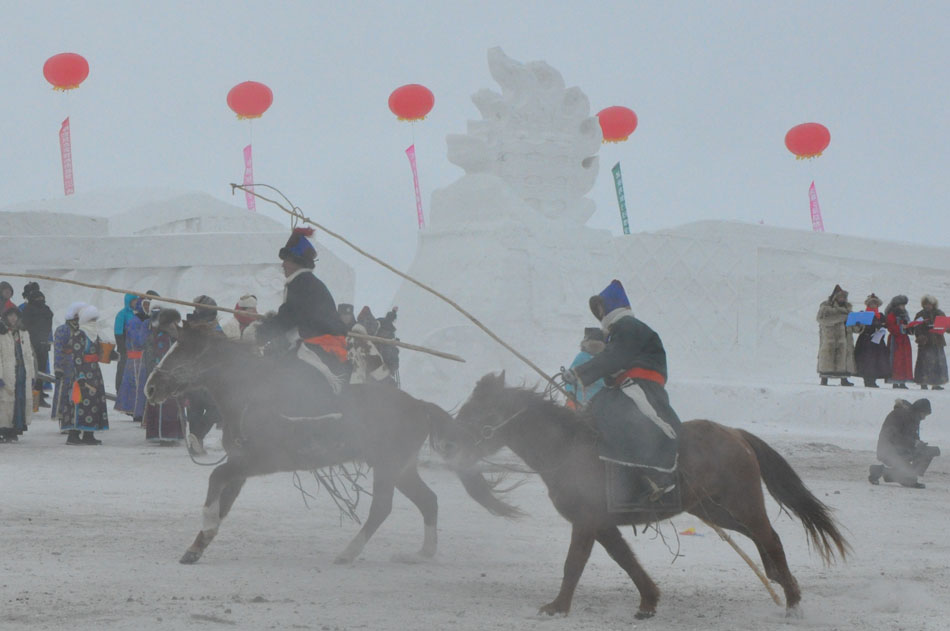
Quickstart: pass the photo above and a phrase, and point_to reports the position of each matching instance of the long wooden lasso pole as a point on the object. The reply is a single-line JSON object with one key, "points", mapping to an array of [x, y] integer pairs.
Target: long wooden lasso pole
{"points": [[745, 557], [186, 303], [298, 215]]}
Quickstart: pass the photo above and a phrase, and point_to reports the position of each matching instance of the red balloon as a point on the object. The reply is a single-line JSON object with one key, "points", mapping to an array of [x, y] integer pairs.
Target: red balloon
{"points": [[807, 140], [66, 70], [411, 102], [250, 99], [617, 123]]}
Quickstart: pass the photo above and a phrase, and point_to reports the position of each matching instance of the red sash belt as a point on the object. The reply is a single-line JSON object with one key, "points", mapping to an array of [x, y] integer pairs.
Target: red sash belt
{"points": [[333, 344], [642, 373], [90, 359], [133, 354]]}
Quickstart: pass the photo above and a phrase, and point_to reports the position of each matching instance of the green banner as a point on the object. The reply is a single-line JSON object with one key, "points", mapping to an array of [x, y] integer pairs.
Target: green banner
{"points": [[621, 200]]}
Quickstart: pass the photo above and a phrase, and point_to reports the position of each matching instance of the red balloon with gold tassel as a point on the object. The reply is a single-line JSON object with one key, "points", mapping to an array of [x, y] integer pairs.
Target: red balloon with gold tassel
{"points": [[617, 123], [66, 71], [250, 99], [807, 140], [411, 102]]}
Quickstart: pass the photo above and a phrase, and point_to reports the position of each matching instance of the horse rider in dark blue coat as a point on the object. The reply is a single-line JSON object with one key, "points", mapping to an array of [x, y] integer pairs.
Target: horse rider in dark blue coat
{"points": [[638, 427], [308, 321]]}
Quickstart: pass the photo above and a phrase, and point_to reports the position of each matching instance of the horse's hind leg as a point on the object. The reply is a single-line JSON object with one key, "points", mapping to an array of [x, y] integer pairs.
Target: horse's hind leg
{"points": [[752, 521], [224, 484], [419, 493], [619, 550], [379, 509]]}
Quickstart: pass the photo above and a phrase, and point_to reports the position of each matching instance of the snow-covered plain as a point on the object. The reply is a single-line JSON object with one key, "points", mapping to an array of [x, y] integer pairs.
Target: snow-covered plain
{"points": [[92, 536]]}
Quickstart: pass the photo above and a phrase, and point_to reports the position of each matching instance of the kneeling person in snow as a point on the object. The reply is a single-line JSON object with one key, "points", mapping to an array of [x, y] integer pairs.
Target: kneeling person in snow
{"points": [[899, 447], [638, 427]]}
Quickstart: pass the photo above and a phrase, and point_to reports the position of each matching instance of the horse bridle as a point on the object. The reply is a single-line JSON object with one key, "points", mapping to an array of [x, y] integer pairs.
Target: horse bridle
{"points": [[488, 431]]}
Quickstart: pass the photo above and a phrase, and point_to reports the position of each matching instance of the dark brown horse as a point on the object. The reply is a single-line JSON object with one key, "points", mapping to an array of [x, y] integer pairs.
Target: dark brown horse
{"points": [[266, 431], [720, 474]]}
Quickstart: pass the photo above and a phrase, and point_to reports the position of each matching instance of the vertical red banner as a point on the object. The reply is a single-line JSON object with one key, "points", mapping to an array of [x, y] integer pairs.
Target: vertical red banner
{"points": [[249, 178], [66, 151], [817, 224], [411, 152]]}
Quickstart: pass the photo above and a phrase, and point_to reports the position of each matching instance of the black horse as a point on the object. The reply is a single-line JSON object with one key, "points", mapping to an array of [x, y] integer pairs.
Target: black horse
{"points": [[380, 425]]}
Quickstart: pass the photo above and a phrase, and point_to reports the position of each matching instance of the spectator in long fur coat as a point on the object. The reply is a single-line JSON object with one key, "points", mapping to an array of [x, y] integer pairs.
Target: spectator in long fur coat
{"points": [[835, 340], [931, 368], [17, 371]]}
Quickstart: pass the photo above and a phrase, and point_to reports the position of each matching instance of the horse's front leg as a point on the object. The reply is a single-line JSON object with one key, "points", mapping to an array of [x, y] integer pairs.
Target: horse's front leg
{"points": [[619, 550], [419, 493], [379, 509], [224, 485], [582, 540]]}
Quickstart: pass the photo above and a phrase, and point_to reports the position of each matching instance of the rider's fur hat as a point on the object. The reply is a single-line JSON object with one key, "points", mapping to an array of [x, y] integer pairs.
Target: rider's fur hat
{"points": [[298, 249], [611, 298], [922, 406]]}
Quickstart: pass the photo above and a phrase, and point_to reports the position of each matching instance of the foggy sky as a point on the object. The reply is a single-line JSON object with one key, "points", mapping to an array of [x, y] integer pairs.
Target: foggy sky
{"points": [[715, 85]]}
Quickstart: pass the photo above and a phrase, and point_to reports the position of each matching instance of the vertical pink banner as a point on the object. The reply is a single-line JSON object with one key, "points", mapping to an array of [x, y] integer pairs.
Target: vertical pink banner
{"points": [[249, 178], [816, 223], [66, 151], [411, 152]]}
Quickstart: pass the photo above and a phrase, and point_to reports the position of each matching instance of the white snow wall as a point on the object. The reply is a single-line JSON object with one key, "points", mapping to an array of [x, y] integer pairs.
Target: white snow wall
{"points": [[732, 302], [180, 246]]}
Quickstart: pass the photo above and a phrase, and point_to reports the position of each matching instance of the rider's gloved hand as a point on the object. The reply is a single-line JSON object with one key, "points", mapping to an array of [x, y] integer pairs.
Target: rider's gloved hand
{"points": [[569, 376]]}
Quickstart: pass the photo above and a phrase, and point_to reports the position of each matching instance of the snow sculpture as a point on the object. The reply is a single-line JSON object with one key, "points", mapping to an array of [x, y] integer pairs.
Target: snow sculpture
{"points": [[536, 135], [499, 236]]}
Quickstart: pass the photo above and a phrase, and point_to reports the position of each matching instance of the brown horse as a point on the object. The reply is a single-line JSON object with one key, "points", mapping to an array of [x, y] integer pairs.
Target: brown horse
{"points": [[265, 430], [720, 469]]}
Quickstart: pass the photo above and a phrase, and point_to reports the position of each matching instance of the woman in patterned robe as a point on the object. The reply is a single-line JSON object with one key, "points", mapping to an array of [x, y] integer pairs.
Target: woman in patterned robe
{"points": [[62, 367], [84, 408]]}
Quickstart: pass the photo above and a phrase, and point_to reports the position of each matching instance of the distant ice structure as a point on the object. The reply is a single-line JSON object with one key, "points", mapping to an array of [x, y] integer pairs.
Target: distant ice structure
{"points": [[181, 244]]}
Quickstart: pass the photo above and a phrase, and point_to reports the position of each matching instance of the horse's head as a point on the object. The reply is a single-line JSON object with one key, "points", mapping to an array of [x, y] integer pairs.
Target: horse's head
{"points": [[186, 362], [478, 430]]}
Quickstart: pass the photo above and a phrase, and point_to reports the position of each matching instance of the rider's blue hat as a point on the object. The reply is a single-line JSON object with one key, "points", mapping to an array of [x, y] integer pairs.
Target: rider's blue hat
{"points": [[298, 249]]}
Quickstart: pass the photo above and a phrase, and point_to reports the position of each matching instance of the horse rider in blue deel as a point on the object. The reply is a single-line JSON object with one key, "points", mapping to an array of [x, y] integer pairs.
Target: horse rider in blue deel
{"points": [[638, 428]]}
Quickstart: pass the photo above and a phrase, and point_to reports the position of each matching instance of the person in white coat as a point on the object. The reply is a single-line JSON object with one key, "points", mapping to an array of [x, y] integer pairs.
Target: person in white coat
{"points": [[240, 326], [17, 371]]}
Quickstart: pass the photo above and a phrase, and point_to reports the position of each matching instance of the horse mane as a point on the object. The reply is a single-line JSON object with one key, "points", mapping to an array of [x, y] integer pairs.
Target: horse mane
{"points": [[530, 397]]}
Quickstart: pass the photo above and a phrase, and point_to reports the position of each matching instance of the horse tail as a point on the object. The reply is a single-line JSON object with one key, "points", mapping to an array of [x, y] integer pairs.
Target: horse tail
{"points": [[484, 492], [791, 493]]}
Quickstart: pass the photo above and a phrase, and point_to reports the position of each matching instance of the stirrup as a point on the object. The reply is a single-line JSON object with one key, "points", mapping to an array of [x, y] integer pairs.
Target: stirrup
{"points": [[656, 491]]}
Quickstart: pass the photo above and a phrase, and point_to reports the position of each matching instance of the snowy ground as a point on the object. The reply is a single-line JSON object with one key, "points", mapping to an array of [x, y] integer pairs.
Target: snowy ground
{"points": [[92, 536]]}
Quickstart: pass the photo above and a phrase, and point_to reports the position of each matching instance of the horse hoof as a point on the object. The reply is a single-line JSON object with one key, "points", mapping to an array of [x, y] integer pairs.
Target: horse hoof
{"points": [[189, 558], [644, 615], [553, 609], [342, 560], [794, 612]]}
